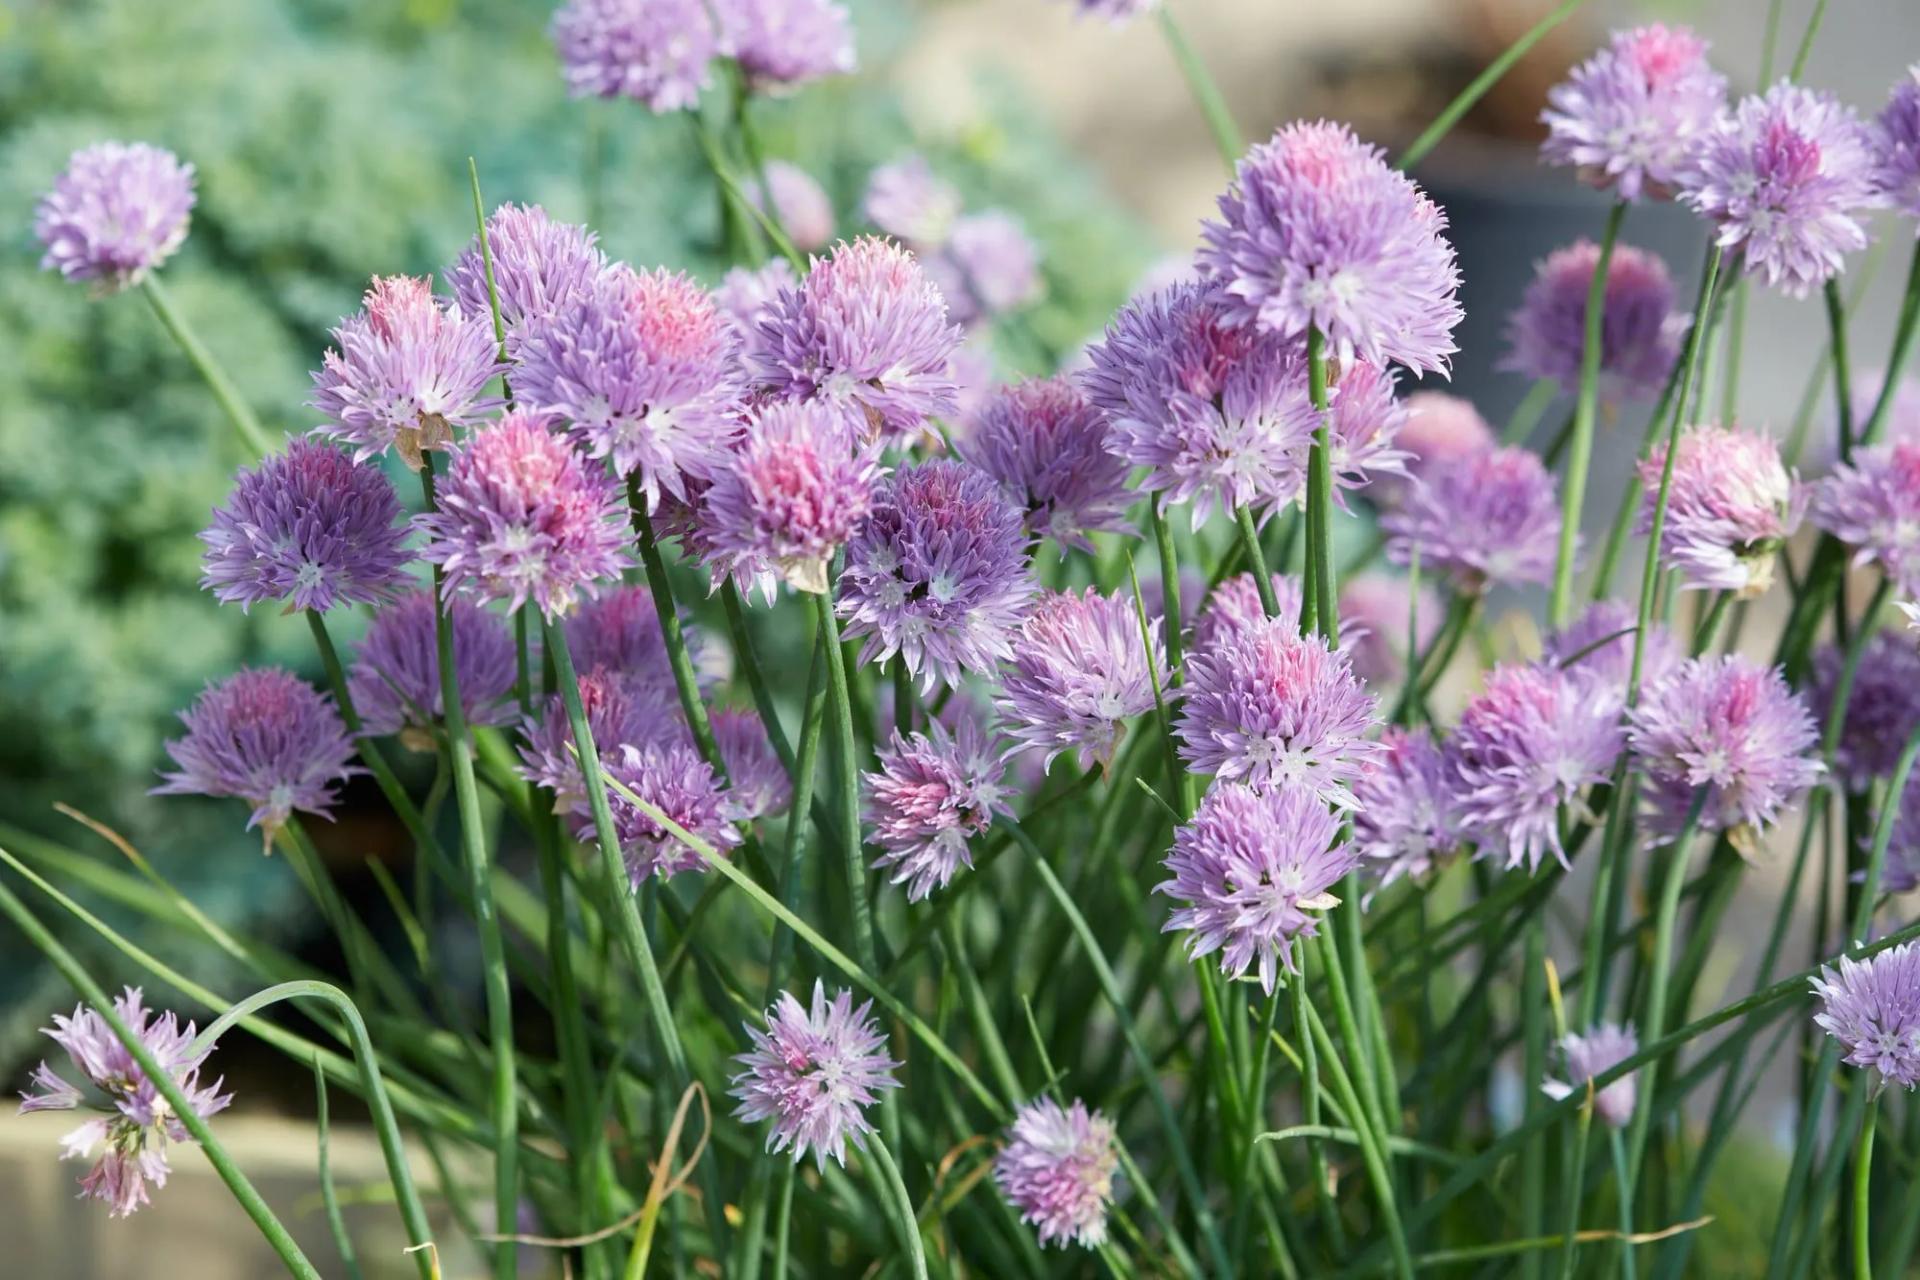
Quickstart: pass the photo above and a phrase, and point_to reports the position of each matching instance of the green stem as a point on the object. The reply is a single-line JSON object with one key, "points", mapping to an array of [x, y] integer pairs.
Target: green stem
{"points": [[1244, 1189], [1262, 579], [906, 1224], [660, 587], [1370, 1152], [486, 262], [1806, 40], [1903, 338], [323, 1171], [847, 784], [1842, 369], [805, 766], [1527, 414], [1586, 404], [1206, 93], [228, 395], [1862, 1186], [1320, 573], [1464, 102], [1623, 1179]]}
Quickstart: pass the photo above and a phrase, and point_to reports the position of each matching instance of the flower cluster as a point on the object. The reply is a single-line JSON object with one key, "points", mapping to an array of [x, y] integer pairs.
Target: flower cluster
{"points": [[1482, 518], [1607, 1045], [1407, 824], [1057, 1168], [118, 212], [1731, 503], [657, 52], [1872, 1007], [1082, 667], [1640, 333], [538, 266], [783, 44], [1628, 117], [813, 1072], [984, 263], [1046, 444], [1896, 137], [1873, 505], [395, 681], [934, 792], [1882, 709], [799, 204], [672, 778]]}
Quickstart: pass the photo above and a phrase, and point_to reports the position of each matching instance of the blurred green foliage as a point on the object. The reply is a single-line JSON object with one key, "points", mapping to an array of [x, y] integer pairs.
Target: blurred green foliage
{"points": [[331, 139]]}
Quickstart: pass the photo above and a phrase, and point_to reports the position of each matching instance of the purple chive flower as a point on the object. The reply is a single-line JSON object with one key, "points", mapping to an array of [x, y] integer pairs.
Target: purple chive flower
{"points": [[1628, 117], [658, 52], [1080, 671], [1318, 231], [1901, 874], [1640, 332], [1046, 445], [1057, 1170], [1730, 506], [1882, 711], [1233, 609], [118, 211], [1251, 867], [783, 44], [1117, 12], [1872, 1007], [795, 490], [1363, 426], [990, 266], [405, 371], [1406, 825], [908, 202], [621, 712], [1785, 179], [135, 1123], [539, 266], [672, 778], [1896, 145], [938, 574], [1271, 707], [645, 370], [620, 632], [1598, 646], [1217, 414], [1441, 427], [309, 527], [932, 794], [1529, 742], [1484, 518], [395, 681], [1375, 610], [1873, 505], [265, 736], [868, 330], [523, 517], [799, 204], [1733, 727], [746, 298], [814, 1072], [1607, 1045], [757, 783]]}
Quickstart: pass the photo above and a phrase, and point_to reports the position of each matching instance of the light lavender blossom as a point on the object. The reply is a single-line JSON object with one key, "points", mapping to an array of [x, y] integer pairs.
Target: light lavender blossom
{"points": [[308, 527], [1057, 1169], [118, 212], [405, 372], [1785, 179], [1640, 332], [1252, 870], [757, 783], [1233, 608], [1117, 12], [1731, 505], [1598, 646], [658, 52], [1896, 139], [672, 778], [1901, 873], [1406, 825], [395, 680], [265, 736], [1082, 667], [988, 267], [1872, 1007], [1873, 505], [909, 202], [799, 204], [1608, 1045], [813, 1072], [620, 631], [1375, 611], [1483, 518], [783, 44], [746, 298], [1528, 743], [1730, 726], [938, 574], [539, 266], [620, 711], [1271, 707], [1046, 445], [1882, 711], [1318, 231], [135, 1123], [1437, 428], [523, 517], [1629, 117], [933, 793]]}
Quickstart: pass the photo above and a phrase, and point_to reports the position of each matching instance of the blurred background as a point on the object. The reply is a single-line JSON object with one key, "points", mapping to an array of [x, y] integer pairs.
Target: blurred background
{"points": [[331, 140]]}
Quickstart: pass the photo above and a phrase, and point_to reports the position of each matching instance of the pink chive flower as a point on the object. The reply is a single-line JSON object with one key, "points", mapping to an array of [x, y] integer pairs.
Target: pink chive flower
{"points": [[672, 778], [1081, 669], [1873, 505], [1233, 608], [118, 212], [645, 370], [1272, 707], [1218, 415], [1376, 610], [1730, 507], [1882, 711], [1598, 646], [783, 44], [1785, 179], [539, 266], [658, 52], [620, 631], [1407, 825], [989, 266], [1896, 145], [933, 793], [1317, 230], [1528, 743], [1483, 518], [1436, 428], [265, 736], [395, 680], [1057, 1169], [1733, 727], [135, 1124], [938, 574], [1872, 1007], [1628, 117], [523, 517], [813, 1072], [866, 330], [799, 204], [1251, 870], [907, 201], [1640, 332], [1363, 426], [1607, 1045], [1046, 445], [746, 298], [308, 527], [621, 712], [405, 371], [797, 487]]}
